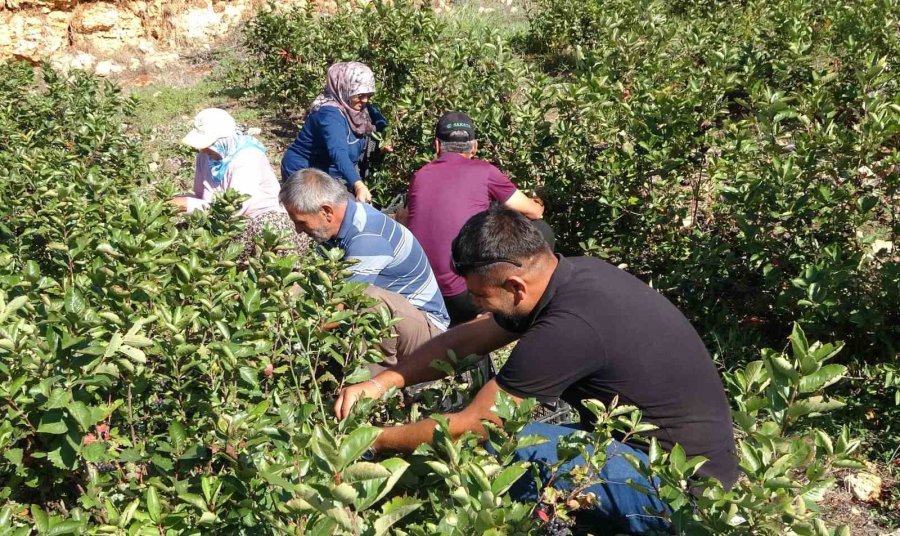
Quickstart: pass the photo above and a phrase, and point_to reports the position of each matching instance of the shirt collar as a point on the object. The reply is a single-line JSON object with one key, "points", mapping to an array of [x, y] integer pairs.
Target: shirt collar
{"points": [[349, 213]]}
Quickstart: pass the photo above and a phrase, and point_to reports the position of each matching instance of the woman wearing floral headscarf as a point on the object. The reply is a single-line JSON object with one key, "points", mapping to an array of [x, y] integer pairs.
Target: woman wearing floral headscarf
{"points": [[337, 130], [228, 158]]}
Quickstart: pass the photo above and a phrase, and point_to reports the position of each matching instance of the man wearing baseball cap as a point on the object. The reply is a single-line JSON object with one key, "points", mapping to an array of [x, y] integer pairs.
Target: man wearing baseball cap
{"points": [[448, 191]]}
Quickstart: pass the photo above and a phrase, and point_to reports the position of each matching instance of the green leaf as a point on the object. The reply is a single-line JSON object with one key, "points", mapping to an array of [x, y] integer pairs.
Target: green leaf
{"points": [[507, 478], [784, 368], [248, 374], [94, 452], [677, 458], [138, 341], [83, 415], [65, 527], [272, 475], [823, 440], [177, 435], [361, 471], [321, 444], [822, 378], [154, 508], [208, 518], [52, 422], [134, 354], [41, 520], [353, 446], [394, 511], [14, 456], [64, 456], [194, 499], [376, 490], [799, 343], [812, 406], [14, 305], [815, 491], [74, 302], [115, 342]]}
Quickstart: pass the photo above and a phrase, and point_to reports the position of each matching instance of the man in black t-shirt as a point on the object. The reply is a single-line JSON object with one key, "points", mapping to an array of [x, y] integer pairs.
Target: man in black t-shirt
{"points": [[586, 330]]}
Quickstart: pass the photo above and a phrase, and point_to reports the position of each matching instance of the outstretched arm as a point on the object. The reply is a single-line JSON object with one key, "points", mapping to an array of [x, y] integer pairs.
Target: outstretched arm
{"points": [[479, 336], [527, 206], [408, 437]]}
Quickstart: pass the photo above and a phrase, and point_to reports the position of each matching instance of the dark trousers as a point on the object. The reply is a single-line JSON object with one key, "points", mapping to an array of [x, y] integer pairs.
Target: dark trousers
{"points": [[460, 308]]}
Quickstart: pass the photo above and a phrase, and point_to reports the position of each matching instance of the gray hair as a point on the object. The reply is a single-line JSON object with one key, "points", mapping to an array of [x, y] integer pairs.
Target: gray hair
{"points": [[307, 190], [462, 147]]}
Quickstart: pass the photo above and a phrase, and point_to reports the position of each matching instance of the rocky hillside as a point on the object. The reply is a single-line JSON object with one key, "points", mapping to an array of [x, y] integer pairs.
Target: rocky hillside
{"points": [[109, 37]]}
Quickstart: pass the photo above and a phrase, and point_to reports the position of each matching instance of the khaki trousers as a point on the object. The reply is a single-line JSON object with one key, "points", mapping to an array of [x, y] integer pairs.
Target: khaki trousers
{"points": [[413, 329]]}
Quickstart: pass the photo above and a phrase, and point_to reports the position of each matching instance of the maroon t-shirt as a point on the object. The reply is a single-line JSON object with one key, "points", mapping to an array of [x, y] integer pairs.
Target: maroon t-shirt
{"points": [[443, 195]]}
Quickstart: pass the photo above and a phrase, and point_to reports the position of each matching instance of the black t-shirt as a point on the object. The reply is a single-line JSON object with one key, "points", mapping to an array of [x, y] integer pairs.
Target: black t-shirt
{"points": [[598, 332]]}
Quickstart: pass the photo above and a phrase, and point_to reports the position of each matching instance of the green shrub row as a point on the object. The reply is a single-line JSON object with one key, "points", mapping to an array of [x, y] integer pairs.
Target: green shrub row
{"points": [[151, 385], [740, 156]]}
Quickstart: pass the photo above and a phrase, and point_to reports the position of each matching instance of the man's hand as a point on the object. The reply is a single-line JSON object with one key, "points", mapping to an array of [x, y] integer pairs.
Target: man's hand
{"points": [[349, 396], [363, 195], [402, 216], [180, 202], [408, 437]]}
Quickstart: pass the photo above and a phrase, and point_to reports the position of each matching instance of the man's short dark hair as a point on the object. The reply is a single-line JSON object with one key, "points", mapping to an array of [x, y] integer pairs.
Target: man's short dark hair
{"points": [[461, 147], [495, 239]]}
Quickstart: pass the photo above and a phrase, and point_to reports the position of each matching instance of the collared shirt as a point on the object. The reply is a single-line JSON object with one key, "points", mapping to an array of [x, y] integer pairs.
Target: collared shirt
{"points": [[443, 195], [390, 257], [597, 333]]}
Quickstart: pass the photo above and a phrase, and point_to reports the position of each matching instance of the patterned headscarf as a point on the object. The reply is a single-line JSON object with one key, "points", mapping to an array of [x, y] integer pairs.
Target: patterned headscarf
{"points": [[345, 80], [228, 148]]}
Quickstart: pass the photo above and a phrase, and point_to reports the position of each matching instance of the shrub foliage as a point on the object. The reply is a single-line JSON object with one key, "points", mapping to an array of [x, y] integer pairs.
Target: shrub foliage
{"points": [[740, 156]]}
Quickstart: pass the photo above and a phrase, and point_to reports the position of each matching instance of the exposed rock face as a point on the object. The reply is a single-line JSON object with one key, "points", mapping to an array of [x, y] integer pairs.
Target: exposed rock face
{"points": [[33, 37], [104, 28], [149, 31]]}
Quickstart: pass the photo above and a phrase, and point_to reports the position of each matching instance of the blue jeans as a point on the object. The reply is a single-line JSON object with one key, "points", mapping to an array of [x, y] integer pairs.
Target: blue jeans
{"points": [[620, 505]]}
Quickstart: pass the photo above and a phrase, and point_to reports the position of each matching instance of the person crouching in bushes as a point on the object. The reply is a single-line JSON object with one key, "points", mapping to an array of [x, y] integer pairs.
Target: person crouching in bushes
{"points": [[385, 255], [227, 158], [448, 191], [337, 134]]}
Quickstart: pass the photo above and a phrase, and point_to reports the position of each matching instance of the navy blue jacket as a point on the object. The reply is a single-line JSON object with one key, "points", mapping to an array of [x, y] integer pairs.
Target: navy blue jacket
{"points": [[326, 142]]}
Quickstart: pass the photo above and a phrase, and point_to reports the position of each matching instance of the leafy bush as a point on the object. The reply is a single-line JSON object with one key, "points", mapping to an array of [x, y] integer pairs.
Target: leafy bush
{"points": [[149, 384], [742, 158]]}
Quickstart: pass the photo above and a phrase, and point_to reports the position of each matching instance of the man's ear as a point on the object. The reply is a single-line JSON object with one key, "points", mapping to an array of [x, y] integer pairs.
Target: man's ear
{"points": [[474, 147], [437, 146], [516, 285], [328, 213]]}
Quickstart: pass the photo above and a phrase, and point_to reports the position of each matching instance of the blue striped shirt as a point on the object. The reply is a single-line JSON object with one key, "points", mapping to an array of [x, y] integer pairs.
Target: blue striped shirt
{"points": [[390, 257]]}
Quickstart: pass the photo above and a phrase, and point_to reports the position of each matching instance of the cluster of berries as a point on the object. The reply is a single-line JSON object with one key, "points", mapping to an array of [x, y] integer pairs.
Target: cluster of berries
{"points": [[106, 467], [558, 527]]}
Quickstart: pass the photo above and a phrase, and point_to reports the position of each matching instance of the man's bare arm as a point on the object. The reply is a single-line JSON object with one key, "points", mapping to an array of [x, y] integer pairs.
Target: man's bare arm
{"points": [[408, 437], [479, 336], [525, 205]]}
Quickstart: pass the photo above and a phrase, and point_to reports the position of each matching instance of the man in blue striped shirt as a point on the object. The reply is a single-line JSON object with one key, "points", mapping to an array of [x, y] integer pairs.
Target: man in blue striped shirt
{"points": [[387, 255]]}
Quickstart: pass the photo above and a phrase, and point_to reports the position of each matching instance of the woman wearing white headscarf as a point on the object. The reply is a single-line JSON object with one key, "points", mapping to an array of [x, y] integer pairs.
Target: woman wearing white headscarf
{"points": [[337, 131], [228, 158]]}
